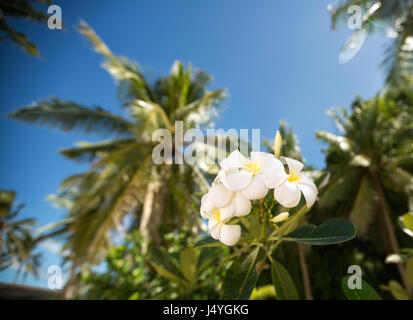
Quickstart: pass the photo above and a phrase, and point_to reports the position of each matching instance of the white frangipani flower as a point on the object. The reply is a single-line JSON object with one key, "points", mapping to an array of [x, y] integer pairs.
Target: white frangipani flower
{"points": [[241, 180], [252, 177], [219, 205], [219, 230], [230, 203], [288, 192]]}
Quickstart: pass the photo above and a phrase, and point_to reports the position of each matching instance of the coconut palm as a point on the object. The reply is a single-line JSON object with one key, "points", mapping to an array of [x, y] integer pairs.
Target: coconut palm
{"points": [[21, 9], [28, 261], [13, 233], [371, 164], [391, 17], [123, 179]]}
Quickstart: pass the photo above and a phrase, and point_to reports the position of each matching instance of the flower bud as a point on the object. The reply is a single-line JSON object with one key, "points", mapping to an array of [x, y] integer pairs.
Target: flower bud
{"points": [[280, 217], [277, 144]]}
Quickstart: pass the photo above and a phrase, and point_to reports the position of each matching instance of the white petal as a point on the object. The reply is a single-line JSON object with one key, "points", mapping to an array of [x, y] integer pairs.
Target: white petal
{"points": [[214, 227], [206, 206], [304, 179], [242, 205], [219, 195], [234, 160], [309, 190], [260, 157], [287, 194], [272, 172], [235, 181], [293, 165], [227, 212], [230, 234], [255, 190]]}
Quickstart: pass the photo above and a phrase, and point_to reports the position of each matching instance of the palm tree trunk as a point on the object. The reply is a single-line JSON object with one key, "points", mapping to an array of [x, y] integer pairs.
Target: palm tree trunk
{"points": [[154, 207], [70, 287], [304, 272], [19, 270], [394, 244]]}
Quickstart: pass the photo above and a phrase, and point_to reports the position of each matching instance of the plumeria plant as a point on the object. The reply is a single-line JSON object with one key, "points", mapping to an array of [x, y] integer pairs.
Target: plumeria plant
{"points": [[255, 204]]}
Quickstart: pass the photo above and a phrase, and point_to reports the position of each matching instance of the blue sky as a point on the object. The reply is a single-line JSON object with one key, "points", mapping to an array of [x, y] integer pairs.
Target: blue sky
{"points": [[278, 60]]}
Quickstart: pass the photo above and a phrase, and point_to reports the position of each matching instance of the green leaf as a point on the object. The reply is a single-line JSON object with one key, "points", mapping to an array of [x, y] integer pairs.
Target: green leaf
{"points": [[406, 223], [206, 257], [263, 293], [397, 290], [188, 262], [331, 231], [241, 277], [365, 293], [206, 243], [162, 264], [283, 283], [292, 222], [168, 274]]}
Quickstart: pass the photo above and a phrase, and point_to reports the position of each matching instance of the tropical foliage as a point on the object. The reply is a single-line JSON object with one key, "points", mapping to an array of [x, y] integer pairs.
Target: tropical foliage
{"points": [[391, 17], [175, 273], [374, 154], [137, 229], [21, 9], [123, 180], [17, 241]]}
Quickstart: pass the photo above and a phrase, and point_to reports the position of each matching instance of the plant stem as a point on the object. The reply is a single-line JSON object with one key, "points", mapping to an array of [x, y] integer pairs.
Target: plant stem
{"points": [[304, 272], [394, 244], [265, 223]]}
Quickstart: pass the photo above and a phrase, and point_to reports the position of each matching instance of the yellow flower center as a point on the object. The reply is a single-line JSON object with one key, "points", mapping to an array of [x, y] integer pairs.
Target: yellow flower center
{"points": [[216, 215], [254, 167], [293, 177]]}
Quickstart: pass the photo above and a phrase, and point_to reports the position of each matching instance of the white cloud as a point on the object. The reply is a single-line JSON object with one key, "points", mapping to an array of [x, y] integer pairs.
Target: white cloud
{"points": [[51, 246]]}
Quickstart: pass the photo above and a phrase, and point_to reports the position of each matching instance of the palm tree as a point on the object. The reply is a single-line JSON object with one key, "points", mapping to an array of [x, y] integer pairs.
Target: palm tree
{"points": [[13, 233], [28, 260], [122, 179], [394, 17], [21, 9], [371, 164]]}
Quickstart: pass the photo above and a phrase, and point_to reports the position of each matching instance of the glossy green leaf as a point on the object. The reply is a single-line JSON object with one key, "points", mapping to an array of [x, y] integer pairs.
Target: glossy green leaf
{"points": [[241, 277], [331, 231], [365, 293], [168, 274], [206, 257], [163, 265], [283, 283], [188, 262], [207, 242]]}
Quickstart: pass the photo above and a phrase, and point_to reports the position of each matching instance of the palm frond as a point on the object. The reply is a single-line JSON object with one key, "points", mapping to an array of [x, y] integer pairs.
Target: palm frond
{"points": [[66, 116], [93, 238], [364, 208], [120, 68], [87, 151]]}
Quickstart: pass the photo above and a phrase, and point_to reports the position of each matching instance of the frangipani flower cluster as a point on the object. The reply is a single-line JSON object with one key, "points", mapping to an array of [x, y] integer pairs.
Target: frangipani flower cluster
{"points": [[241, 180]]}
